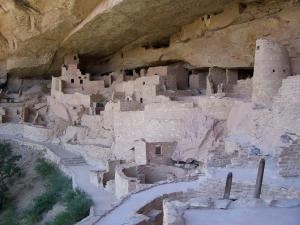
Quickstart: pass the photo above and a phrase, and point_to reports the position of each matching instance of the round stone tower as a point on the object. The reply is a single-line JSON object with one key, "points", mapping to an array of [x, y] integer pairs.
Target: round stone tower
{"points": [[270, 67]]}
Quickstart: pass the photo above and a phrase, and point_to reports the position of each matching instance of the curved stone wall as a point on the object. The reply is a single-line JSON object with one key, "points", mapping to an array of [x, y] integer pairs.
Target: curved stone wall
{"points": [[131, 177], [270, 67]]}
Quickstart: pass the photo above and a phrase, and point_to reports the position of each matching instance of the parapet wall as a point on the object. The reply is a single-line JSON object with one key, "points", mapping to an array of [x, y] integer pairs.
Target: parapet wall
{"points": [[37, 133], [210, 197]]}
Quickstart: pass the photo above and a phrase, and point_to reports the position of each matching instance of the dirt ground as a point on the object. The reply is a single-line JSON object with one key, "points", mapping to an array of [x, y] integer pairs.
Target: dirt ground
{"points": [[25, 188]]}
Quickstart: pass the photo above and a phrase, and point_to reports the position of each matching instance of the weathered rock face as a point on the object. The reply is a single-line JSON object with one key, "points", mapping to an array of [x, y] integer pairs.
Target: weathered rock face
{"points": [[31, 32], [35, 35], [226, 39]]}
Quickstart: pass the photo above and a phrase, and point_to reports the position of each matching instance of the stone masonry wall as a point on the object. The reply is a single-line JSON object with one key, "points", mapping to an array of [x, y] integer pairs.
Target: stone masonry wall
{"points": [[242, 90], [286, 105], [289, 160], [164, 157]]}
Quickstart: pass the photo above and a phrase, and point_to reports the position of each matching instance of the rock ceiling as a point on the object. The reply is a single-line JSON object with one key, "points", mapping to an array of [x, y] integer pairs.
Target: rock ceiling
{"points": [[35, 34]]}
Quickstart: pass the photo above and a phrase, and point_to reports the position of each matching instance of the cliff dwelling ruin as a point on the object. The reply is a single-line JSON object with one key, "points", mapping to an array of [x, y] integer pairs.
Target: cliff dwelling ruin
{"points": [[156, 108]]}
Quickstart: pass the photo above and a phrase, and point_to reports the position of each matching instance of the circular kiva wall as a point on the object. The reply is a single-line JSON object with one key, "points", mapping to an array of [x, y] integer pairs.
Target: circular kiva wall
{"points": [[152, 174], [130, 177]]}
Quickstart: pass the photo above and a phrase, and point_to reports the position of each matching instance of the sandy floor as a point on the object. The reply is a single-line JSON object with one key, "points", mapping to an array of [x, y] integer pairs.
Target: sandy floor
{"points": [[243, 216]]}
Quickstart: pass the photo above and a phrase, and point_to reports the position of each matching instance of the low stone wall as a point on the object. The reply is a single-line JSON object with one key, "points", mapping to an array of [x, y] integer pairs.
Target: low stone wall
{"points": [[125, 184], [218, 108], [37, 133], [174, 210], [11, 129], [210, 193], [93, 154], [131, 106], [86, 135]]}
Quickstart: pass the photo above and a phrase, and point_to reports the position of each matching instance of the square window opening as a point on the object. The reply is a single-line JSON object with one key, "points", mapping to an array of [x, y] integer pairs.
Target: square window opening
{"points": [[158, 150]]}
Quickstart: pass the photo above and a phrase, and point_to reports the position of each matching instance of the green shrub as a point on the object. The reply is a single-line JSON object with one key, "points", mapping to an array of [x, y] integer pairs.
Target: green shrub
{"points": [[68, 195], [8, 217], [79, 205], [30, 217], [8, 169], [45, 169], [58, 189], [54, 180], [45, 202], [58, 183], [64, 218]]}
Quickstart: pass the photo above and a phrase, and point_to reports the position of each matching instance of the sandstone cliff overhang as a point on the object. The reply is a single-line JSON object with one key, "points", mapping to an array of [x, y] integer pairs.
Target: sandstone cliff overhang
{"points": [[35, 35]]}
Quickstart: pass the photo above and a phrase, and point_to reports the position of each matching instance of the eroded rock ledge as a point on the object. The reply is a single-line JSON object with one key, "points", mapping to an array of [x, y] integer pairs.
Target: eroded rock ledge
{"points": [[125, 34]]}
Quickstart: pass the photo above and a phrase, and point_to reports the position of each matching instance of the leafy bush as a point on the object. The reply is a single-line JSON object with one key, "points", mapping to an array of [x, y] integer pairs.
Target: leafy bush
{"points": [[45, 169], [8, 168], [30, 217], [44, 202], [79, 205], [54, 180], [8, 217], [58, 189], [64, 218]]}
